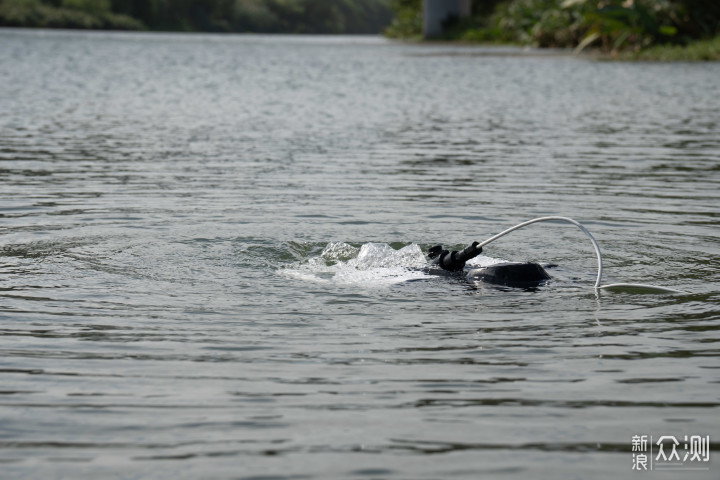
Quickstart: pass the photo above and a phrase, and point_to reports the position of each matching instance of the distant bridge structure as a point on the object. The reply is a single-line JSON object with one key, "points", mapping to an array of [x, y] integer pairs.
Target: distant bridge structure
{"points": [[438, 13]]}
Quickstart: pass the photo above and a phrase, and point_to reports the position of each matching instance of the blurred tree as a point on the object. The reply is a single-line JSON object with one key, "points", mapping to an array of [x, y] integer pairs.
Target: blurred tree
{"points": [[289, 16], [90, 6]]}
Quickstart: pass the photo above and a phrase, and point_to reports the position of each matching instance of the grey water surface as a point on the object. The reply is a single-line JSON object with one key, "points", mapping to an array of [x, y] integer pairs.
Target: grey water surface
{"points": [[209, 248]]}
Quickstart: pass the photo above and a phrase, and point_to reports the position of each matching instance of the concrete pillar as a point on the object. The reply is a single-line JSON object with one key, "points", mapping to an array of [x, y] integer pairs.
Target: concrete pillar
{"points": [[437, 12]]}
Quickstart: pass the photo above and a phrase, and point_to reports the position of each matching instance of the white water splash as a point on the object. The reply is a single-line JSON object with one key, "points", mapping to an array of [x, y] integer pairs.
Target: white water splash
{"points": [[371, 265], [382, 255]]}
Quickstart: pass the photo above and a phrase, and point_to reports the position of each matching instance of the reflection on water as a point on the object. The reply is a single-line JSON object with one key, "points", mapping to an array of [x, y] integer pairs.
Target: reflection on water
{"points": [[206, 241]]}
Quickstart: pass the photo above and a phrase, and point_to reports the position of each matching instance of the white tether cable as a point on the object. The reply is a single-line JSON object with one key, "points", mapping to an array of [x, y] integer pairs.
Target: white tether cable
{"points": [[615, 286]]}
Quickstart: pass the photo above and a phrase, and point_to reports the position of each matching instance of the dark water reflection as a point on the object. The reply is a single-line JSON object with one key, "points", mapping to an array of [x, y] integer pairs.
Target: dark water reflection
{"points": [[169, 308]]}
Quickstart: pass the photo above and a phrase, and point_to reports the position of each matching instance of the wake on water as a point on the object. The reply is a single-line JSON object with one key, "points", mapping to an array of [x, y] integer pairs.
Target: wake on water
{"points": [[373, 264], [380, 264]]}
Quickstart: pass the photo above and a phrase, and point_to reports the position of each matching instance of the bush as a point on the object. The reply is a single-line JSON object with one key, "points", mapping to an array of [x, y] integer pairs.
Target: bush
{"points": [[408, 20], [703, 50], [611, 25], [287, 16], [89, 6], [33, 13]]}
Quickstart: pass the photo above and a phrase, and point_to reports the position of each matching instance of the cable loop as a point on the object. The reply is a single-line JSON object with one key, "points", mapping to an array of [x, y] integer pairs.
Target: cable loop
{"points": [[635, 286]]}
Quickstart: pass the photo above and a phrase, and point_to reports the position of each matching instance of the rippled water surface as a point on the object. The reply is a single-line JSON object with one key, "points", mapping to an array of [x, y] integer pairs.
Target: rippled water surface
{"points": [[210, 254]]}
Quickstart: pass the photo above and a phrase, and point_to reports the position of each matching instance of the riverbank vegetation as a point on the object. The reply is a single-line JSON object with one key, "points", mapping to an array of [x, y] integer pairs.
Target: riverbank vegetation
{"points": [[260, 16], [700, 50], [627, 28]]}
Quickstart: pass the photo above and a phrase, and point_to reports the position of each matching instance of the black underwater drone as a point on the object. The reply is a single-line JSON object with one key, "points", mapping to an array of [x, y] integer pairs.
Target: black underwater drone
{"points": [[511, 274]]}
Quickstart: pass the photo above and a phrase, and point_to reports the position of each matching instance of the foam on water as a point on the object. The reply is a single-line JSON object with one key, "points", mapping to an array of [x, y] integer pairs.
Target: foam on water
{"points": [[373, 264]]}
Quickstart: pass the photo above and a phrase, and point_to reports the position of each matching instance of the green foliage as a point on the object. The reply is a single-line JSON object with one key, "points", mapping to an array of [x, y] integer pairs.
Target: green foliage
{"points": [[628, 24], [90, 6], [610, 25], [287, 16], [408, 21], [34, 13], [697, 18], [703, 50], [305, 16]]}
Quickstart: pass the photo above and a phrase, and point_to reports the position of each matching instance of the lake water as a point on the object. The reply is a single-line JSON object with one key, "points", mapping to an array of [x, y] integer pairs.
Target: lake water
{"points": [[209, 249]]}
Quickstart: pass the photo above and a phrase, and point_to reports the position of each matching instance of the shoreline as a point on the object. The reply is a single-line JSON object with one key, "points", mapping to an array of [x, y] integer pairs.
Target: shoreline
{"points": [[707, 50]]}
